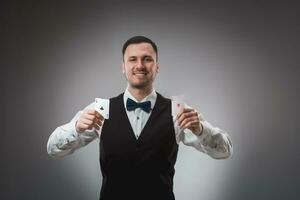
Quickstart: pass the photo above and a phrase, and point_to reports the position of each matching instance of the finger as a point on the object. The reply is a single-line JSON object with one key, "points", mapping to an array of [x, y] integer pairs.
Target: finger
{"points": [[94, 116], [86, 121], [96, 126], [178, 114], [187, 109], [89, 116], [182, 111], [91, 126], [192, 124], [91, 112], [82, 126], [99, 116], [187, 114], [88, 124], [183, 116], [186, 120], [98, 122]]}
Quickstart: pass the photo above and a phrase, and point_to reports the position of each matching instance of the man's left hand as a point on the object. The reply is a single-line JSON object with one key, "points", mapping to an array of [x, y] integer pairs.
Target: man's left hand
{"points": [[188, 118]]}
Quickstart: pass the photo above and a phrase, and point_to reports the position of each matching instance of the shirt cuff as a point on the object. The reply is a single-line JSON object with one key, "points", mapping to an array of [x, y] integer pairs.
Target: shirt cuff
{"points": [[70, 136], [206, 135]]}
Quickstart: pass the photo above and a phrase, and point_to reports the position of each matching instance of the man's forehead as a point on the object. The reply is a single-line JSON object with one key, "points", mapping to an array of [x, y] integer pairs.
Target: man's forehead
{"points": [[138, 49]]}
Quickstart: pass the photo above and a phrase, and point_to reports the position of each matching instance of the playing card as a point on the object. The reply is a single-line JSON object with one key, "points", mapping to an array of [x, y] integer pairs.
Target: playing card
{"points": [[102, 106], [178, 103]]}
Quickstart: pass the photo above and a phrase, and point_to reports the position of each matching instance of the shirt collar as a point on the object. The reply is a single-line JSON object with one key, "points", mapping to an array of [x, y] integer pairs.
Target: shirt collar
{"points": [[151, 97]]}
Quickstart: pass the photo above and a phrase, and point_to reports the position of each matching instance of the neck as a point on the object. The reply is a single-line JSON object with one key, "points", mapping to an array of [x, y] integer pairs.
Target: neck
{"points": [[140, 93]]}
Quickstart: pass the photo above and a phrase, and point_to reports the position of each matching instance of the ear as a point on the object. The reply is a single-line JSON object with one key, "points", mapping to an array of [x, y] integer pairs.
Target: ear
{"points": [[157, 67], [123, 67]]}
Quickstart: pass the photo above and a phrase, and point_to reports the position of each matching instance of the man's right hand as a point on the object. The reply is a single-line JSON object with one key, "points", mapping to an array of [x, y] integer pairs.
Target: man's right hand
{"points": [[89, 119]]}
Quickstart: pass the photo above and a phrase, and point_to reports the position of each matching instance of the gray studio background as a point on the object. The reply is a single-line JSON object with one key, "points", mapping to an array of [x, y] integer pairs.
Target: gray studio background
{"points": [[238, 64]]}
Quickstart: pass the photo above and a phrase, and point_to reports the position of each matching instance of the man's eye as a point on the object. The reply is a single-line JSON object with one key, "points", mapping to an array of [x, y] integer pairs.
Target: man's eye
{"points": [[148, 59]]}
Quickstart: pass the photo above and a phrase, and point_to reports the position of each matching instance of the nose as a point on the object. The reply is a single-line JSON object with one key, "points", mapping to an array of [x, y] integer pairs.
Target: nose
{"points": [[140, 64]]}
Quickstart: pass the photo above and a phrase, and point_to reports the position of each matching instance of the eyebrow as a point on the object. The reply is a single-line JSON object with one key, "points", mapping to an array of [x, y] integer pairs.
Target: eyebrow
{"points": [[143, 56]]}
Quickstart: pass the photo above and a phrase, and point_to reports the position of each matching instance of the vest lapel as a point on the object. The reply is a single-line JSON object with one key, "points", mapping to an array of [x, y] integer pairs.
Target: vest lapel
{"points": [[159, 106]]}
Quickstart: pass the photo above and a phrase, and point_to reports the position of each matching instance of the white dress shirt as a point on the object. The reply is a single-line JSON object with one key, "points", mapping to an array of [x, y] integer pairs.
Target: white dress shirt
{"points": [[213, 141]]}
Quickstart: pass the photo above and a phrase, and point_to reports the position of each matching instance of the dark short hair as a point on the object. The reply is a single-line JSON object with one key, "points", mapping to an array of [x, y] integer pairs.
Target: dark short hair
{"points": [[138, 40]]}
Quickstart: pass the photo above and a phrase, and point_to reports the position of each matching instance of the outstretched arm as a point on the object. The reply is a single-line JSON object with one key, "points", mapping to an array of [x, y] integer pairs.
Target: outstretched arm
{"points": [[193, 130], [80, 131]]}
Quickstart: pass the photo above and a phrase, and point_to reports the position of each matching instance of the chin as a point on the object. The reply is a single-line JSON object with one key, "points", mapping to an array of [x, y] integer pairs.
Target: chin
{"points": [[139, 85]]}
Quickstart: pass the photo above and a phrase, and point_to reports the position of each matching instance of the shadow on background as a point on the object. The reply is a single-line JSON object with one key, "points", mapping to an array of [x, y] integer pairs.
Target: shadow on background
{"points": [[238, 64]]}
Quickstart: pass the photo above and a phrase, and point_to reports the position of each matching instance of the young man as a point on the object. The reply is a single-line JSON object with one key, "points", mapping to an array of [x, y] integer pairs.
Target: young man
{"points": [[139, 142]]}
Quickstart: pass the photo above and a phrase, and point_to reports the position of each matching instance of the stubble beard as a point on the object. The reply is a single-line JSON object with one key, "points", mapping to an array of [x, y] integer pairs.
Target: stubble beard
{"points": [[142, 85]]}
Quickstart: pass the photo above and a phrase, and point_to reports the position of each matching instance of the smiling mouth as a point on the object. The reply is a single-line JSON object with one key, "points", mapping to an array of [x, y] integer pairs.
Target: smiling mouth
{"points": [[140, 73]]}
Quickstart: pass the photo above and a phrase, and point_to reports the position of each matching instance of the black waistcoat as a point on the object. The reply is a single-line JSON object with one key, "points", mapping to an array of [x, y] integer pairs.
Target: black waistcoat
{"points": [[140, 168]]}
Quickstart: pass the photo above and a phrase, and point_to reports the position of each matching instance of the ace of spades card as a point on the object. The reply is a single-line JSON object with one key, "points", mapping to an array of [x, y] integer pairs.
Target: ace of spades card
{"points": [[102, 106]]}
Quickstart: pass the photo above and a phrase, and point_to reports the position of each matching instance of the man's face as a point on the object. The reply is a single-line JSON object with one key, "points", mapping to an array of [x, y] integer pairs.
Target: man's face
{"points": [[140, 66]]}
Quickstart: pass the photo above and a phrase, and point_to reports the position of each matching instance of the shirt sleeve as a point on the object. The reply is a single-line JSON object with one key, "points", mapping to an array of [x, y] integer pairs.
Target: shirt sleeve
{"points": [[64, 140], [213, 141]]}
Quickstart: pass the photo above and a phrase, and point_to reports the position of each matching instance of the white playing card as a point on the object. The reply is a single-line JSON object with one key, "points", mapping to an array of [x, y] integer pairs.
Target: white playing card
{"points": [[178, 103], [102, 106]]}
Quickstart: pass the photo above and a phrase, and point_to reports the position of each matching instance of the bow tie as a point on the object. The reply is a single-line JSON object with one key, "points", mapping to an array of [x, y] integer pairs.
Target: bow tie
{"points": [[132, 105]]}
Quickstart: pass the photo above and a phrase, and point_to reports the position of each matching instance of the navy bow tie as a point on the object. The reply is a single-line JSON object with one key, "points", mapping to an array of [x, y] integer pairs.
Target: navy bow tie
{"points": [[132, 105]]}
